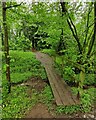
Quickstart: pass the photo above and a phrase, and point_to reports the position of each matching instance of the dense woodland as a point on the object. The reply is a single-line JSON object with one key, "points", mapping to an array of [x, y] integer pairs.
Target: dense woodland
{"points": [[66, 31]]}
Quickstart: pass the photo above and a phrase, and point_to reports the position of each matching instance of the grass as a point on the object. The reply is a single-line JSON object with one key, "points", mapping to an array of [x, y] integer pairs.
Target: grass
{"points": [[46, 96], [50, 52], [15, 107], [23, 66], [67, 109], [87, 98]]}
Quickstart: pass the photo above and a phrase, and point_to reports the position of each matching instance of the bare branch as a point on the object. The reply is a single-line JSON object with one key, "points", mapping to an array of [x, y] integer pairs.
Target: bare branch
{"points": [[94, 34], [11, 6], [70, 23], [73, 25], [63, 7], [87, 27], [90, 35]]}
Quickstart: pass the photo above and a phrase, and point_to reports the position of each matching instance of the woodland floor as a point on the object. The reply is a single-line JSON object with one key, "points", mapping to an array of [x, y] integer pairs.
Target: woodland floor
{"points": [[40, 110]]}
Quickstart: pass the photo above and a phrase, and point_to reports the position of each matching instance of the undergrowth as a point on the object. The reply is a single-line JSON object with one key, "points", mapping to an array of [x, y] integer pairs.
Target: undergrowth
{"points": [[46, 96], [86, 103], [88, 96], [17, 102], [23, 66], [87, 100], [15, 105], [50, 52]]}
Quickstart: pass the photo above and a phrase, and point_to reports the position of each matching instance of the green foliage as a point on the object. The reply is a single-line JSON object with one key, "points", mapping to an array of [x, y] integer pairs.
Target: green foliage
{"points": [[50, 52], [87, 99], [68, 109], [20, 43], [23, 66], [47, 96], [15, 107], [67, 71], [86, 102], [90, 79]]}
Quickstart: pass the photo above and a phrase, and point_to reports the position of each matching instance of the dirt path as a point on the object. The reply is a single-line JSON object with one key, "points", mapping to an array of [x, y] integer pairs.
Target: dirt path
{"points": [[39, 111]]}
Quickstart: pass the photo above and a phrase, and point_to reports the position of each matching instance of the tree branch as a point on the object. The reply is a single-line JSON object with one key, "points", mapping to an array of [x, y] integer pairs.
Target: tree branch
{"points": [[75, 34], [90, 35], [79, 66], [11, 6], [73, 25], [63, 7], [94, 34], [87, 27]]}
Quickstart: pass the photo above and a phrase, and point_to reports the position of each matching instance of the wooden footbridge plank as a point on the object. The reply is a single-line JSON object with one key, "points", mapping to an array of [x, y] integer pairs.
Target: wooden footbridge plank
{"points": [[61, 91]]}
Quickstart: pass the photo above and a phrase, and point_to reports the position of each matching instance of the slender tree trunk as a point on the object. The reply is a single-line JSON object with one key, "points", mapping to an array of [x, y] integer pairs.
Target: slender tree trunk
{"points": [[93, 40], [33, 45], [6, 46], [74, 32], [2, 38], [36, 45], [62, 42]]}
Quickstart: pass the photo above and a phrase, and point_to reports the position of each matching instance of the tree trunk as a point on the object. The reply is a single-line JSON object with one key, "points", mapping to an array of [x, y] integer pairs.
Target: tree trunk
{"points": [[33, 45], [82, 77], [61, 44], [6, 46], [81, 83], [93, 40]]}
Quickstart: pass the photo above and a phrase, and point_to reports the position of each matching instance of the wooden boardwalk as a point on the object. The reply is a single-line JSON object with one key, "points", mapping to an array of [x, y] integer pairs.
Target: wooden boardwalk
{"points": [[61, 91]]}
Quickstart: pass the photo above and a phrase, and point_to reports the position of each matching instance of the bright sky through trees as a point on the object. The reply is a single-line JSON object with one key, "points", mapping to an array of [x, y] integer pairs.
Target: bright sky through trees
{"points": [[29, 1]]}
